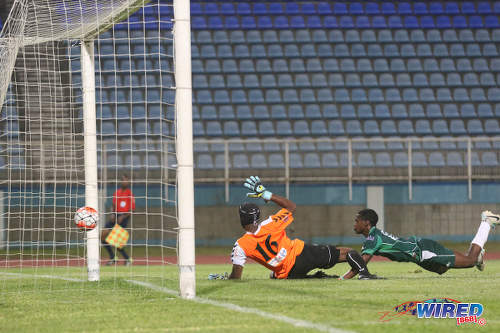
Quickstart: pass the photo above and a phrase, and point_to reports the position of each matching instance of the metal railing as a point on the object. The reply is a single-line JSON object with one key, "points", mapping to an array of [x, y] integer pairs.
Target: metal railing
{"points": [[468, 168], [478, 160]]}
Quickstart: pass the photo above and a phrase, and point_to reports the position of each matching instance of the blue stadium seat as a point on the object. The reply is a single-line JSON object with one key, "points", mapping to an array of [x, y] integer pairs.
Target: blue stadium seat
{"points": [[491, 127], [457, 127], [489, 159], [221, 97], [370, 127], [365, 160], [382, 111], [268, 81], [248, 128], [388, 127], [227, 8], [494, 94], [243, 112], [439, 127], [324, 8], [234, 81], [490, 21], [312, 160], [278, 112], [401, 159], [238, 97], [312, 111], [307, 96], [484, 7], [301, 127], [261, 112], [422, 127], [450, 111], [255, 96], [243, 8], [454, 159], [365, 111], [258, 161], [240, 161], [335, 127], [231, 128], [375, 95], [329, 160], [250, 81], [436, 159], [383, 159], [353, 127], [419, 159], [359, 96], [405, 127], [318, 128], [276, 161], [284, 128]]}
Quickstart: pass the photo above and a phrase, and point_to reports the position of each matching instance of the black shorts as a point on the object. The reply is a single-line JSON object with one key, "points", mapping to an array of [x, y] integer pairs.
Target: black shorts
{"points": [[109, 224], [314, 256]]}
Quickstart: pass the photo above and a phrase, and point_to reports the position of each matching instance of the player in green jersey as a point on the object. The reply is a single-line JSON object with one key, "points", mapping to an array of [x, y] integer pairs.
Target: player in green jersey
{"points": [[426, 253]]}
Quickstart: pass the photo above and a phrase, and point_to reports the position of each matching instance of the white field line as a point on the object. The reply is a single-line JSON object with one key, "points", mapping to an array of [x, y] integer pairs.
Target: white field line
{"points": [[42, 276], [234, 307]]}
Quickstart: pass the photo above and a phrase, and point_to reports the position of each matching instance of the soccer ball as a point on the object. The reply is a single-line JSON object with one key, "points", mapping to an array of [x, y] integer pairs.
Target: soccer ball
{"points": [[86, 218]]}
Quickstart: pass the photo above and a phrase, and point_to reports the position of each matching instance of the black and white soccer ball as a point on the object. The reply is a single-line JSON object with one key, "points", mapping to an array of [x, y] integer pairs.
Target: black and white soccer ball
{"points": [[86, 218]]}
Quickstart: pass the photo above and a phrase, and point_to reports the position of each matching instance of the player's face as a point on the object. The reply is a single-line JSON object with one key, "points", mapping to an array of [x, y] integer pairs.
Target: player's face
{"points": [[125, 182], [359, 225]]}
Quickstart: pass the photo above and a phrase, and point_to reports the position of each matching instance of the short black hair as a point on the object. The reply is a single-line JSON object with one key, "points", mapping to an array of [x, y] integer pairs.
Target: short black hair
{"points": [[369, 215]]}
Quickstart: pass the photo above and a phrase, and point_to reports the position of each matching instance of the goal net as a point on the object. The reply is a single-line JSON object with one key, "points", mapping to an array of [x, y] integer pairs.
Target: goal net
{"points": [[88, 116]]}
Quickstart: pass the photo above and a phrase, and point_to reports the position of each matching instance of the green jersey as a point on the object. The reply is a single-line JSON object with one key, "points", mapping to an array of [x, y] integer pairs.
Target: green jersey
{"points": [[395, 248]]}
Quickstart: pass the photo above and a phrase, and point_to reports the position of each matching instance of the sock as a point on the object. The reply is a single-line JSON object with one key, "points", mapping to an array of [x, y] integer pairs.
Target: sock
{"points": [[356, 262], [482, 234], [109, 249], [123, 253]]}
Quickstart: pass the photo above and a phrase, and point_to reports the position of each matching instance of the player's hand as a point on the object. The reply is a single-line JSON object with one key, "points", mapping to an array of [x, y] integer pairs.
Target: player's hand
{"points": [[258, 190], [215, 276]]}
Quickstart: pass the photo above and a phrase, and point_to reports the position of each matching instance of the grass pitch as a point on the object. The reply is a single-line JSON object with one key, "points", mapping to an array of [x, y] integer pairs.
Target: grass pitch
{"points": [[45, 304]]}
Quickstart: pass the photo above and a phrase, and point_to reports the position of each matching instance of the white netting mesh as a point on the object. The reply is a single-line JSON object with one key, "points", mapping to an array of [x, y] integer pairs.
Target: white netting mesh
{"points": [[42, 181]]}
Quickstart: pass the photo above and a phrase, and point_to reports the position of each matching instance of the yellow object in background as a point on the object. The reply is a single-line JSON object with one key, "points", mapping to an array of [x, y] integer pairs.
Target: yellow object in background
{"points": [[117, 237]]}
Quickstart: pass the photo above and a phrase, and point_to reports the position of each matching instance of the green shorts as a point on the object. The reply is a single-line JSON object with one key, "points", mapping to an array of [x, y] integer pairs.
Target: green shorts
{"points": [[435, 257]]}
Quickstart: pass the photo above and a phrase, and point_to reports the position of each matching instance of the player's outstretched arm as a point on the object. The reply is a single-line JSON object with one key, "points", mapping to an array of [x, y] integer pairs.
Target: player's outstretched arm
{"points": [[284, 202], [352, 273], [259, 191], [236, 272]]}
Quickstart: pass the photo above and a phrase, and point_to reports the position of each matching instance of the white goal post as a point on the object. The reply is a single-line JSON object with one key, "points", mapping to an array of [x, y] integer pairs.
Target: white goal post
{"points": [[184, 119]]}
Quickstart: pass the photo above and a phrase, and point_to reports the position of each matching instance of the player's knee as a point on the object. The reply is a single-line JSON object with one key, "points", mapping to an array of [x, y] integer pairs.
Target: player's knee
{"points": [[343, 253]]}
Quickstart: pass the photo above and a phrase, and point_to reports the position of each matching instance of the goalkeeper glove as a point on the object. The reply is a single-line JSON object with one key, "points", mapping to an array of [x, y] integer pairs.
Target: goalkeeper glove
{"points": [[214, 276], [258, 190]]}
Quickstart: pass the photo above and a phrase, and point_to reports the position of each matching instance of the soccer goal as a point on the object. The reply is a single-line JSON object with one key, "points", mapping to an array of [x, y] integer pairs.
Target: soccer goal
{"points": [[95, 101]]}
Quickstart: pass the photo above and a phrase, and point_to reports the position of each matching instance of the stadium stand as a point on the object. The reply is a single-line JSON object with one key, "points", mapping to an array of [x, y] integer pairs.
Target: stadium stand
{"points": [[316, 69]]}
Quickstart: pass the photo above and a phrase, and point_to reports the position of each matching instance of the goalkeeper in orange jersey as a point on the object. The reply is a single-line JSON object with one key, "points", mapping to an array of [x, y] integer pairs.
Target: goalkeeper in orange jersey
{"points": [[266, 242]]}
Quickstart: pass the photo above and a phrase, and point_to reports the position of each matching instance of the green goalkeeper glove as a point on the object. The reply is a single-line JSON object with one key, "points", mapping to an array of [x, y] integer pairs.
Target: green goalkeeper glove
{"points": [[258, 190]]}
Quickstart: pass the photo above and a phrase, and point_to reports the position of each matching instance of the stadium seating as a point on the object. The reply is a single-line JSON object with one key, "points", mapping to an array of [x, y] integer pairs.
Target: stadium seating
{"points": [[313, 69]]}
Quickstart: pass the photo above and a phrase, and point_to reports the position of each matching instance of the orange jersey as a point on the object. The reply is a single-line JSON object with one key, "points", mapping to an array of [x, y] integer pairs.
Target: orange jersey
{"points": [[269, 245]]}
